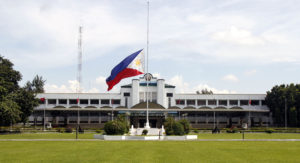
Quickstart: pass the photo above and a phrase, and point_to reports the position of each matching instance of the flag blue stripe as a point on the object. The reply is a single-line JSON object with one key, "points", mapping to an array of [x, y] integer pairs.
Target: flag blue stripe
{"points": [[122, 65]]}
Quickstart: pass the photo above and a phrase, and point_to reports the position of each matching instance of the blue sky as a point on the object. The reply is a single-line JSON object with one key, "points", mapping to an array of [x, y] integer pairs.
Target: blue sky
{"points": [[228, 46]]}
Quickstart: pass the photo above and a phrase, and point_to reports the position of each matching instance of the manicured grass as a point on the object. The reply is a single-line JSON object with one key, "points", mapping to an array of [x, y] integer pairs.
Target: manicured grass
{"points": [[249, 136], [149, 151], [47, 136], [200, 136]]}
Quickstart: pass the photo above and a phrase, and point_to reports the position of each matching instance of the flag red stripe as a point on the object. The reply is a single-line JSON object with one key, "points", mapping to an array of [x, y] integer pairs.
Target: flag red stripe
{"points": [[127, 72]]}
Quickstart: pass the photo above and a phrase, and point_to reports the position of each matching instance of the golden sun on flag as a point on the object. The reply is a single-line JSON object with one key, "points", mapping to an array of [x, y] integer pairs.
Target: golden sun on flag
{"points": [[137, 62]]}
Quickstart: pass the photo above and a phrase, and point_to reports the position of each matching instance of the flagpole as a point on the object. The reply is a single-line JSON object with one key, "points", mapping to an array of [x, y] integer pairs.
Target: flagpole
{"points": [[147, 94]]}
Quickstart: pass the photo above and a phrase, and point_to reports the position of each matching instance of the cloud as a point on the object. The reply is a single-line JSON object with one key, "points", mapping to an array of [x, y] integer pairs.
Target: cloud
{"points": [[238, 36], [185, 87], [230, 78], [70, 87]]}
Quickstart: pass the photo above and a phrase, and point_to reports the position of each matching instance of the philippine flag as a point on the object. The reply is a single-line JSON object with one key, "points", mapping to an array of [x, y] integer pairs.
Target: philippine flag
{"points": [[131, 66]]}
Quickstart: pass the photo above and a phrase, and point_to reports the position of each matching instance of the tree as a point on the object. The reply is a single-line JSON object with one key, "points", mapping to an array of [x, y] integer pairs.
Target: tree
{"points": [[27, 102], [16, 103], [9, 111], [281, 96], [36, 85], [9, 77], [205, 91]]}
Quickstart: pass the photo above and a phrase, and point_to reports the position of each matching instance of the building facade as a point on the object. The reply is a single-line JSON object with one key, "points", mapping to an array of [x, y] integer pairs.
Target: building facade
{"points": [[202, 110]]}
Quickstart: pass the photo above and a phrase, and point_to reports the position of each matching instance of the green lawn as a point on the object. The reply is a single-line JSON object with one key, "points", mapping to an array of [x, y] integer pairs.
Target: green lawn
{"points": [[249, 136], [47, 136], [149, 151], [200, 136]]}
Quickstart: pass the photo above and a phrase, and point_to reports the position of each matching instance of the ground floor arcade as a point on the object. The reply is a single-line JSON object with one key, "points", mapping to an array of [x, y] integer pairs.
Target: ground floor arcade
{"points": [[137, 118]]}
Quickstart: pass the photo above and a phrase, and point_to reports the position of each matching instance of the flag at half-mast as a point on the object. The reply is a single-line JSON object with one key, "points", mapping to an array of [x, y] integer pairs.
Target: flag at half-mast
{"points": [[132, 65]]}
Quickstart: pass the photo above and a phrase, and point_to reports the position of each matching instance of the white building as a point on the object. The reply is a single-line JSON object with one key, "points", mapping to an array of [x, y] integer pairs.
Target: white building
{"points": [[202, 110]]}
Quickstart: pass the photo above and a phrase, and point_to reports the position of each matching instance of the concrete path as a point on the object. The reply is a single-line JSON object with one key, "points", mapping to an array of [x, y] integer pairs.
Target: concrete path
{"points": [[151, 140]]}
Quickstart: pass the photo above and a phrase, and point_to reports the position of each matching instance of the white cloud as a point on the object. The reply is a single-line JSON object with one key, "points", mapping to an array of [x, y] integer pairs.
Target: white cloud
{"points": [[185, 87], [238, 36], [230, 78], [71, 87]]}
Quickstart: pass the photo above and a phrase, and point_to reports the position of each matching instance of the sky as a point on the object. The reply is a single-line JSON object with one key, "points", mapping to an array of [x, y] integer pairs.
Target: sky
{"points": [[227, 46]]}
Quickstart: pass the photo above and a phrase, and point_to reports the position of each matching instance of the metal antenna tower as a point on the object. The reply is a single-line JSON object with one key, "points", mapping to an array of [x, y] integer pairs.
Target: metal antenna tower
{"points": [[79, 60]]}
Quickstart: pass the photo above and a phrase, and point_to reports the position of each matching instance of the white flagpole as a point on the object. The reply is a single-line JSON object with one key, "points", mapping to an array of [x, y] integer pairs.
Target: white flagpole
{"points": [[147, 94]]}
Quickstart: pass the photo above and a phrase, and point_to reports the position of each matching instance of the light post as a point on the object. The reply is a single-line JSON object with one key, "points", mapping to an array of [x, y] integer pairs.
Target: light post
{"points": [[285, 114]]}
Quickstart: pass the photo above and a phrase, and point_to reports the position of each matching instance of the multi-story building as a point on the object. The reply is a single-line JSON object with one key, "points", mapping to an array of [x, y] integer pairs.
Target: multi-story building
{"points": [[202, 110]]}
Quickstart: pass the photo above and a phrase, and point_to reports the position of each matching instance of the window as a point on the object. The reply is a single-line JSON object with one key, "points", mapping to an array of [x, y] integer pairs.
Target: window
{"points": [[180, 102], [169, 102], [253, 102], [84, 101], [52, 101], [263, 102], [105, 102], [62, 101], [223, 102], [233, 102], [169, 94], [212, 102], [126, 94], [201, 102], [244, 102], [115, 101], [94, 101], [72, 101], [190, 102]]}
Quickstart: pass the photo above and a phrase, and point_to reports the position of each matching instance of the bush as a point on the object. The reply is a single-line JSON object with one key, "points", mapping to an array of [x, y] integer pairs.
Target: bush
{"points": [[145, 132], [186, 125], [69, 130], [173, 128], [269, 131], [178, 129], [119, 126], [196, 131], [98, 131], [232, 130]]}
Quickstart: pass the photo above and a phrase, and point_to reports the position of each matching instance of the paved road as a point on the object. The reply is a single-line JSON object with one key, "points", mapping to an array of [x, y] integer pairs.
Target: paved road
{"points": [[151, 140]]}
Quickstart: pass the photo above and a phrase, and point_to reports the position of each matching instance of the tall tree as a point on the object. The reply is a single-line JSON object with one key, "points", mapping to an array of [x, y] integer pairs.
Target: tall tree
{"points": [[27, 102], [16, 103], [9, 78], [36, 85], [284, 97]]}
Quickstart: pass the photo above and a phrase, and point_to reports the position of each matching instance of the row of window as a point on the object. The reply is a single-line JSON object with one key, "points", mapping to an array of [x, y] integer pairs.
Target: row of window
{"points": [[83, 101], [221, 102]]}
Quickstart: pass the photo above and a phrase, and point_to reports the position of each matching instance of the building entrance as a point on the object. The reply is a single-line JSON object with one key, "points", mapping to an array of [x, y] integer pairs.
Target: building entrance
{"points": [[140, 122]]}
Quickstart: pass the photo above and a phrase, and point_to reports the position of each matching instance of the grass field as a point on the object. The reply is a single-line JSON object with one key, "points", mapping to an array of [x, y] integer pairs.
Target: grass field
{"points": [[153, 151], [200, 136]]}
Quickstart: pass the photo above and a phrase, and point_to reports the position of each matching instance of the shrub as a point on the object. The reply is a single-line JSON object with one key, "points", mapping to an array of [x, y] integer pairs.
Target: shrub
{"points": [[173, 128], [114, 128], [145, 132], [69, 130], [98, 131], [178, 129], [196, 131], [269, 131], [186, 125]]}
